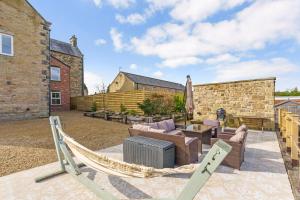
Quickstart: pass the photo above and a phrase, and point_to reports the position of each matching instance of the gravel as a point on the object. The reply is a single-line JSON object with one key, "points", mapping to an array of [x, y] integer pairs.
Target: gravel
{"points": [[28, 143]]}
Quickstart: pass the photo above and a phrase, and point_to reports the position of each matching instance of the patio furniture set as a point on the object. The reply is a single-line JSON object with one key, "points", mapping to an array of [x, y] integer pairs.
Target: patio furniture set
{"points": [[186, 141]]}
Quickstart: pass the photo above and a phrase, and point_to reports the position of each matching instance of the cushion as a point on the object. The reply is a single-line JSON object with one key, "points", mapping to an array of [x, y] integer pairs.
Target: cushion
{"points": [[170, 124], [187, 139], [238, 137], [154, 130], [162, 125], [174, 132], [211, 122], [153, 125], [243, 127], [141, 127]]}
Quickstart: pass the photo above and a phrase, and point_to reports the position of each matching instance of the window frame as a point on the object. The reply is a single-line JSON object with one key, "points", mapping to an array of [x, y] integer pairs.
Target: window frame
{"points": [[11, 43], [56, 98], [51, 73]]}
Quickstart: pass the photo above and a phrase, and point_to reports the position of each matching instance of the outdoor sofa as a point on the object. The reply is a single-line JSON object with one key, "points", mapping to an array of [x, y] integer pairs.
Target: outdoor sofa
{"points": [[186, 150], [237, 140]]}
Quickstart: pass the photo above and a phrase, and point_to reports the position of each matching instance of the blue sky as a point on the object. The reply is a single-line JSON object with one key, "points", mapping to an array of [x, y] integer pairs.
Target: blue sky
{"points": [[213, 41]]}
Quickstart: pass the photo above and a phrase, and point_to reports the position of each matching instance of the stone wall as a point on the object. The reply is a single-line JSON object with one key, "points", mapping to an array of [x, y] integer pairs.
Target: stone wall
{"points": [[24, 82], [76, 73], [239, 98]]}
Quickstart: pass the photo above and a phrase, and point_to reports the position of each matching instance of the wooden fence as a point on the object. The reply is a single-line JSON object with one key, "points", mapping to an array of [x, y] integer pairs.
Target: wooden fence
{"points": [[112, 101], [289, 123]]}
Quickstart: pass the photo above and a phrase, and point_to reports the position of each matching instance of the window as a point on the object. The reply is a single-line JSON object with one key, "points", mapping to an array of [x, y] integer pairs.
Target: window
{"points": [[6, 44], [55, 98], [55, 73]]}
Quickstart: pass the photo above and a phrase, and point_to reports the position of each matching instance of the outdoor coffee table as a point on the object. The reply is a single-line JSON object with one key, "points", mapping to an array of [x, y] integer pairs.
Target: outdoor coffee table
{"points": [[202, 132]]}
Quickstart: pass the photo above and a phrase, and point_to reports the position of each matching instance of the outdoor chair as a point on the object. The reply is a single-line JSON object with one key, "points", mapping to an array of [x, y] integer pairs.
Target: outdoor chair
{"points": [[236, 157]]}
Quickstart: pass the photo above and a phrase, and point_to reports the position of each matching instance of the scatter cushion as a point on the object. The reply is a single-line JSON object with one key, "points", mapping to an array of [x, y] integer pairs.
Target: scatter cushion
{"points": [[170, 124], [210, 122], [141, 127], [153, 125], [154, 130], [187, 139], [174, 132], [162, 125], [243, 127], [238, 137]]}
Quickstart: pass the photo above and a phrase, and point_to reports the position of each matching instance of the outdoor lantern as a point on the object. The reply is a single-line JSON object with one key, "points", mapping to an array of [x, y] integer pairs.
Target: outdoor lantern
{"points": [[221, 114]]}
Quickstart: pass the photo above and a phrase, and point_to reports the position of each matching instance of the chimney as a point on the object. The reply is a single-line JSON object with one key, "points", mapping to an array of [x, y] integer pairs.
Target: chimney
{"points": [[73, 41]]}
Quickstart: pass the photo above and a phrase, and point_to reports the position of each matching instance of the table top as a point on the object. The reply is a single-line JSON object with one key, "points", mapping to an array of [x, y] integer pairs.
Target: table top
{"points": [[250, 117], [199, 128]]}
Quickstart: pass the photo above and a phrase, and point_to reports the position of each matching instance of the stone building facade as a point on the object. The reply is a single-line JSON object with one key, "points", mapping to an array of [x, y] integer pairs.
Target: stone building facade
{"points": [[25, 51], [126, 82], [24, 83], [253, 98], [60, 87]]}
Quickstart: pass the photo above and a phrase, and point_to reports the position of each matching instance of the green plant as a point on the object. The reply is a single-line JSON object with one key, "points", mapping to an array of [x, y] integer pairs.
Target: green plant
{"points": [[123, 108], [132, 112], [94, 107], [179, 106], [291, 92], [147, 107]]}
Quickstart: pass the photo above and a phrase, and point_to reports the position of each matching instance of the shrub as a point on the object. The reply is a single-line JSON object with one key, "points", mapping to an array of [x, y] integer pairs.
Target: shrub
{"points": [[147, 107], [132, 112], [122, 108], [179, 106], [94, 107]]}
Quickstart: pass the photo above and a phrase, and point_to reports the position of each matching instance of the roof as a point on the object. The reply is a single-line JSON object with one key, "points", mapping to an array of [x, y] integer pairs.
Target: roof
{"points": [[153, 81], [63, 47], [287, 101]]}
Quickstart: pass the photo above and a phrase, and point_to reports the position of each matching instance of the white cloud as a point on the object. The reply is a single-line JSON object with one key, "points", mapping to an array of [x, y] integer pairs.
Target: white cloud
{"points": [[175, 62], [158, 74], [98, 3], [133, 66], [117, 39], [92, 80], [121, 3], [276, 67], [100, 42], [254, 27], [223, 58], [133, 19]]}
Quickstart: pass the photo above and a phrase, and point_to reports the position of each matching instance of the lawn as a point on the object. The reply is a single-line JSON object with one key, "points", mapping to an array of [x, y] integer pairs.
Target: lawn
{"points": [[28, 143]]}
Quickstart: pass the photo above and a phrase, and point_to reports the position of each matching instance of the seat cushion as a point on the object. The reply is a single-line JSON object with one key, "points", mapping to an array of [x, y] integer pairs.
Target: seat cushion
{"points": [[174, 132], [211, 122], [154, 130], [170, 124], [162, 125], [141, 127], [153, 125], [238, 137]]}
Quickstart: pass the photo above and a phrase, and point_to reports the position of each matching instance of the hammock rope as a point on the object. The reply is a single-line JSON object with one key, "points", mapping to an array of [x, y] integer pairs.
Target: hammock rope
{"points": [[100, 162]]}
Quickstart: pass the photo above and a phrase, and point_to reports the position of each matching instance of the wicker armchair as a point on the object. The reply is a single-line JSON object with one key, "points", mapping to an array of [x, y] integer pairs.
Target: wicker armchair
{"points": [[236, 157]]}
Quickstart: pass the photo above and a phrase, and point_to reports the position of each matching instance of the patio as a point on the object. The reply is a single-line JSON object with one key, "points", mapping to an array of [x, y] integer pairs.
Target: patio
{"points": [[262, 176]]}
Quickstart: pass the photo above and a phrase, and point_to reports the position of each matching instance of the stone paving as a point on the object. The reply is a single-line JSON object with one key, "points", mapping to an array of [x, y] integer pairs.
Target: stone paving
{"points": [[262, 176]]}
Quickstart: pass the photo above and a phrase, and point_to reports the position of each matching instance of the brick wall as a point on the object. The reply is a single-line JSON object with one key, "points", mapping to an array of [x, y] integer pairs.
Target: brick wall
{"points": [[76, 71], [62, 86], [239, 98], [24, 82]]}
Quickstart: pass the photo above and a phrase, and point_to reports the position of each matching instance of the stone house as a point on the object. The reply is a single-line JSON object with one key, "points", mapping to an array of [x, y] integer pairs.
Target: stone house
{"points": [[25, 59], [126, 82]]}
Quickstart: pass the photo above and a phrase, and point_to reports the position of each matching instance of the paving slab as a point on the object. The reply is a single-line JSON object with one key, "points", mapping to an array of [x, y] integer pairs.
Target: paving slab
{"points": [[262, 176]]}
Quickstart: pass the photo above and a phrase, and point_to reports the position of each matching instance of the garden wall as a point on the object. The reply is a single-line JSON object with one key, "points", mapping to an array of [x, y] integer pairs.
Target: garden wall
{"points": [[112, 101], [251, 98]]}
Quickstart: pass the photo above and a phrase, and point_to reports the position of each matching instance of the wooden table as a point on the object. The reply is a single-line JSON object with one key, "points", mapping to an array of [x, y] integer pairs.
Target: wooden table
{"points": [[202, 132], [261, 119]]}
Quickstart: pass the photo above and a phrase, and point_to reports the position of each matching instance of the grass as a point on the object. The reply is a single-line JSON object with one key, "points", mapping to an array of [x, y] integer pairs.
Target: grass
{"points": [[28, 143]]}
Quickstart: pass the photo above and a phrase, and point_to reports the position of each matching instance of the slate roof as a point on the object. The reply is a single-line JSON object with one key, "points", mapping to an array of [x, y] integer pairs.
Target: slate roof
{"points": [[63, 47], [153, 81]]}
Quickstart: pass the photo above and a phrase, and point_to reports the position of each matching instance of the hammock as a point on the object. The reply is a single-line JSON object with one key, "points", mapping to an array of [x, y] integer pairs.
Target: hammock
{"points": [[112, 166]]}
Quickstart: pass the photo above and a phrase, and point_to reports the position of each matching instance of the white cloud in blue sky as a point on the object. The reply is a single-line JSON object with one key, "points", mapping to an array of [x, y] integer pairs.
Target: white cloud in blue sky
{"points": [[212, 40]]}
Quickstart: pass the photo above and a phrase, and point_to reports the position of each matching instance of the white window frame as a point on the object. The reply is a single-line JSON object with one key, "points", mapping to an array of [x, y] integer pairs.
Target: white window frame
{"points": [[56, 98], [11, 43], [51, 73]]}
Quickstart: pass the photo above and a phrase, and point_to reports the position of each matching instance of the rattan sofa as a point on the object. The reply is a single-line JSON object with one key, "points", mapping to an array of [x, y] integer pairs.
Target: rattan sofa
{"points": [[186, 150]]}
